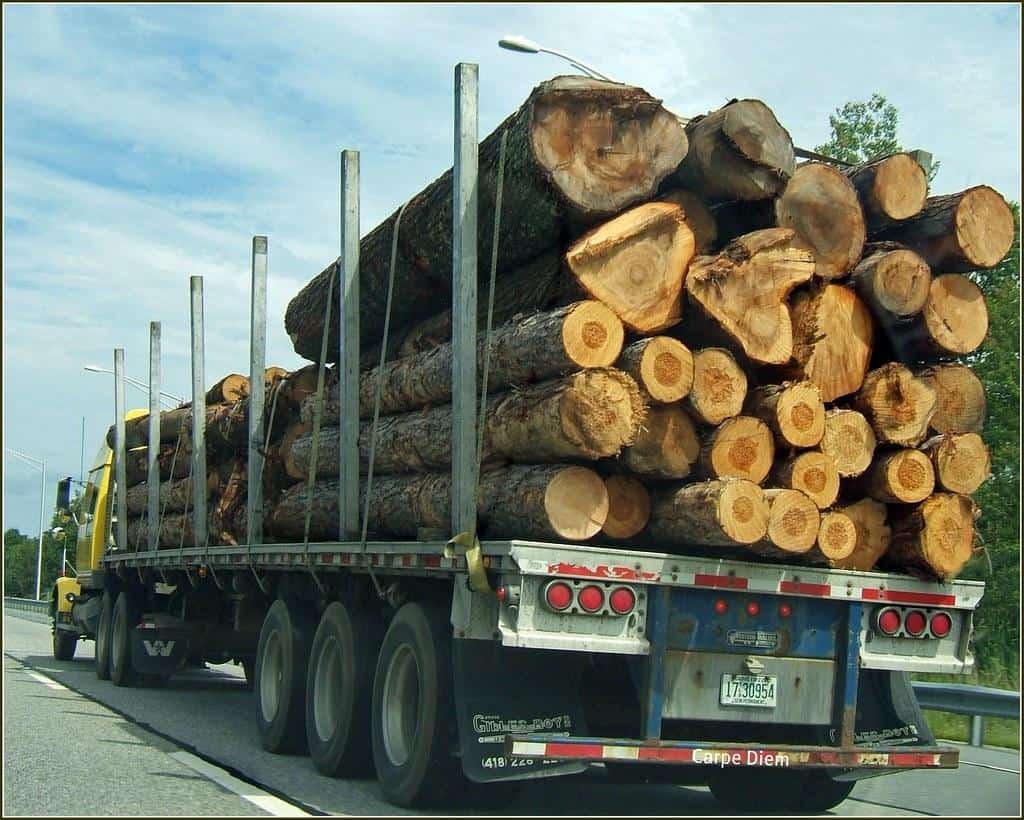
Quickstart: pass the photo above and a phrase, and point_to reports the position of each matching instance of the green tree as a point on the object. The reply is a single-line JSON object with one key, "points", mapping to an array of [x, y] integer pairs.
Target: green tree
{"points": [[20, 555]]}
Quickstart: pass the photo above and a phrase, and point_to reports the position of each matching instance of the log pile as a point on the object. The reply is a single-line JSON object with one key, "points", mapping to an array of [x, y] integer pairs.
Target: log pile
{"points": [[698, 346]]}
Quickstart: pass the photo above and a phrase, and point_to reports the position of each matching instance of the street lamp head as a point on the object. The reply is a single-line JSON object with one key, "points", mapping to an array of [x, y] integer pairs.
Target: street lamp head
{"points": [[93, 368], [517, 43]]}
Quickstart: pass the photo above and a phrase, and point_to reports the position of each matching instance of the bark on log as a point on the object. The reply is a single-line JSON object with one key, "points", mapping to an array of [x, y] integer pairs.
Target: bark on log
{"points": [[893, 283], [232, 388], [661, 366], [903, 476], [629, 507], [957, 233], [832, 339], [712, 513], [813, 473], [793, 411], [175, 531], [935, 538], [636, 264], [286, 452], [170, 465], [849, 441], [961, 461], [667, 445], [793, 523], [891, 189], [226, 427], [960, 405], [232, 498], [954, 322], [870, 518], [719, 386], [745, 289], [737, 152], [175, 494], [898, 405], [698, 217], [523, 501], [579, 150], [740, 447]]}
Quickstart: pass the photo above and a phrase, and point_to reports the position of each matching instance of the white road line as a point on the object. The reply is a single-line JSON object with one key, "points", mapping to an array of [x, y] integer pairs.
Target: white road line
{"points": [[49, 683], [270, 804], [988, 766]]}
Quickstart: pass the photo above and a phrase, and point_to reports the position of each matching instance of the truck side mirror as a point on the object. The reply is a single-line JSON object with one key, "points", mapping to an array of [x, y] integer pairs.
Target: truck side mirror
{"points": [[64, 494]]}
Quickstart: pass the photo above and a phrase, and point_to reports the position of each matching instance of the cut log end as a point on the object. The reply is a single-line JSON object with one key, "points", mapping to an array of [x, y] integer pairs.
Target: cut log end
{"points": [[898, 404], [576, 502], [793, 520], [849, 440], [743, 512], [961, 461], [894, 283], [984, 227], [711, 513], [741, 447], [955, 315], [934, 538], [667, 445], [601, 411], [873, 534], [960, 398], [629, 507], [837, 536], [814, 474], [719, 386], [899, 187], [794, 412], [904, 476], [592, 335], [662, 366]]}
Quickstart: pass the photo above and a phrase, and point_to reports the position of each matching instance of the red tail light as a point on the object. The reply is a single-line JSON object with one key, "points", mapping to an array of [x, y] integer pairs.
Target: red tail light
{"points": [[591, 598], [785, 610], [501, 593], [721, 606], [622, 601], [889, 621], [558, 595], [915, 623], [941, 624], [753, 609]]}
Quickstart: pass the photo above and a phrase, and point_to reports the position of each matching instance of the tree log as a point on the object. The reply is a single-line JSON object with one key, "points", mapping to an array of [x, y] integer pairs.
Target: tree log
{"points": [[226, 427], [954, 322], [233, 387], [813, 473], [891, 189], [719, 386], [903, 476], [171, 465], [175, 494], [661, 366], [870, 518], [523, 501], [837, 539], [579, 150], [667, 445], [898, 405], [745, 288], [849, 441], [793, 523], [629, 507], [712, 513], [832, 339], [737, 152], [175, 531], [793, 411], [740, 447], [960, 398], [232, 498], [961, 461], [636, 264], [893, 283], [957, 233], [933, 539], [698, 217]]}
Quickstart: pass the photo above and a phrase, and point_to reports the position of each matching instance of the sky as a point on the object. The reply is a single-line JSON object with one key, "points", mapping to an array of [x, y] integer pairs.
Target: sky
{"points": [[146, 144]]}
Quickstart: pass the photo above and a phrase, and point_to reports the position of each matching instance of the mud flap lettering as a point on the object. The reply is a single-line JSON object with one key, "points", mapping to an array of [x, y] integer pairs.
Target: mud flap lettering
{"points": [[158, 651]]}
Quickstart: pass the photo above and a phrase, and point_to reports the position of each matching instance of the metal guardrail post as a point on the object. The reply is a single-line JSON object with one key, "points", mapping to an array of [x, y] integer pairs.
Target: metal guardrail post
{"points": [[977, 730], [977, 702]]}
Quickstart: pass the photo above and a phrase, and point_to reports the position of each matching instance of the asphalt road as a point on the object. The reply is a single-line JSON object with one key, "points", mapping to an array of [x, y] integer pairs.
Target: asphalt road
{"points": [[210, 713]]}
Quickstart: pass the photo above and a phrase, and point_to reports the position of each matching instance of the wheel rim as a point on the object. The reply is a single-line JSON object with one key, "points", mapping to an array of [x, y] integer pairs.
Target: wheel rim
{"points": [[271, 676], [326, 691], [115, 645], [400, 705]]}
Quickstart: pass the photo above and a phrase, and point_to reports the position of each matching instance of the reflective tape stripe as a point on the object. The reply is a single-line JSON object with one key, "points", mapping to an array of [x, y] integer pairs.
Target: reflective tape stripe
{"points": [[800, 588], [899, 596], [720, 581]]}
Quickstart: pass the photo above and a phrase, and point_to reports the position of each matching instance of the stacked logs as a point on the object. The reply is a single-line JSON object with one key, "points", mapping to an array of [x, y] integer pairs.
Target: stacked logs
{"points": [[698, 346]]}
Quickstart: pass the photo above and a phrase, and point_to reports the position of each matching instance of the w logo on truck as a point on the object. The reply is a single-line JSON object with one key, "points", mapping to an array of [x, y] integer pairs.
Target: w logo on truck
{"points": [[159, 648]]}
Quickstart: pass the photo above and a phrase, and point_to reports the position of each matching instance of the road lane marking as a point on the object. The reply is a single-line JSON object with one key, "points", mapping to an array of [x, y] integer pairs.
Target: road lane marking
{"points": [[988, 766], [259, 798], [49, 683]]}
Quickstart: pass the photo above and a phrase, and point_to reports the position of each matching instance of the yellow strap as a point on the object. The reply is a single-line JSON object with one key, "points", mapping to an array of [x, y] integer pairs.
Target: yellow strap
{"points": [[474, 560]]}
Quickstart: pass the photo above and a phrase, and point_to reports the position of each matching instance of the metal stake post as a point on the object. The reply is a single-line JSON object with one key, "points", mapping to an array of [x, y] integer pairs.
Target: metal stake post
{"points": [[257, 398], [348, 346], [153, 445], [198, 414], [119, 451]]}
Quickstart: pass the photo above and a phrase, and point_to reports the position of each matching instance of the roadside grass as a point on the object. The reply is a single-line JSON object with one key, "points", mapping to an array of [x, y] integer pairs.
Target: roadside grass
{"points": [[998, 731]]}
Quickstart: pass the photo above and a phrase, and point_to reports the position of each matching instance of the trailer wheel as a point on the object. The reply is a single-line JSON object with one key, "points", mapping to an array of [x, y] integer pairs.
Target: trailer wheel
{"points": [[760, 790], [282, 659], [339, 689], [103, 636], [413, 727], [64, 644], [122, 673]]}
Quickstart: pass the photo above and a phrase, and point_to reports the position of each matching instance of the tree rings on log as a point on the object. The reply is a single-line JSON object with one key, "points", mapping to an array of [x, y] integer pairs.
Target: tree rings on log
{"points": [[893, 283], [711, 513], [662, 367], [892, 188], [933, 539], [740, 447], [793, 523], [954, 322], [719, 386], [667, 445], [898, 404], [837, 537], [961, 461], [960, 398], [849, 440], [629, 506], [870, 519], [793, 411], [811, 472], [902, 476]]}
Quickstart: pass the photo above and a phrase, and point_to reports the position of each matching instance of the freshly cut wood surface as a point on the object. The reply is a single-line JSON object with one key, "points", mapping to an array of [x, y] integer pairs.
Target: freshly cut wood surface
{"points": [[898, 404], [822, 206], [636, 264], [793, 523], [629, 506], [793, 411], [934, 538], [698, 217], [833, 337], [231, 388], [903, 476], [894, 283], [661, 366], [837, 539], [891, 188], [711, 513], [961, 461], [719, 386], [813, 473], [957, 233], [954, 322], [744, 289], [849, 440], [740, 447], [960, 398], [739, 151], [870, 518], [667, 445]]}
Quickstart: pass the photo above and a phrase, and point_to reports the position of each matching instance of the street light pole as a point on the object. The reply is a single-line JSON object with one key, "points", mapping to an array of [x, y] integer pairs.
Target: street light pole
{"points": [[92, 368], [35, 462]]}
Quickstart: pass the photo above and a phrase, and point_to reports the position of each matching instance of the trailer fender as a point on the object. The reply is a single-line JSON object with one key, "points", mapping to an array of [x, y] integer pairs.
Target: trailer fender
{"points": [[159, 647]]}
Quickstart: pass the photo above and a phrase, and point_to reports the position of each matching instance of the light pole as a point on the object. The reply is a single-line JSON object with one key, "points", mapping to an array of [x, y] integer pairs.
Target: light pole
{"points": [[35, 462], [92, 368]]}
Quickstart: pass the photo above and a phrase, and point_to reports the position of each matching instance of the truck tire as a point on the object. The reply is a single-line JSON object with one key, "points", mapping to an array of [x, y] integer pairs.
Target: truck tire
{"points": [[64, 644], [122, 673], [339, 691], [768, 790], [282, 659], [103, 636], [413, 726]]}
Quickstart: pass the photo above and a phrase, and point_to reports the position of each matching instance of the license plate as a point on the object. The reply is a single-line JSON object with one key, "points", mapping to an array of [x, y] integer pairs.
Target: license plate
{"points": [[748, 690]]}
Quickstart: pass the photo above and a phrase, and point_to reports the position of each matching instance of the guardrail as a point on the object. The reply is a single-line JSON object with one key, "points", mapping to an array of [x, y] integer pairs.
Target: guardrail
{"points": [[977, 702], [27, 604]]}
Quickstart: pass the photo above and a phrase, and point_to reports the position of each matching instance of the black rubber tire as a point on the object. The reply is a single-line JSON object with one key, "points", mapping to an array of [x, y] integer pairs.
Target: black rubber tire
{"points": [[249, 670], [427, 771], [281, 697], [103, 636], [758, 790], [122, 673], [64, 644], [339, 691]]}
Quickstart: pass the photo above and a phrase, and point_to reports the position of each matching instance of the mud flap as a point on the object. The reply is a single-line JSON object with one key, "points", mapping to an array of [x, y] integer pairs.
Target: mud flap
{"points": [[159, 650], [499, 690]]}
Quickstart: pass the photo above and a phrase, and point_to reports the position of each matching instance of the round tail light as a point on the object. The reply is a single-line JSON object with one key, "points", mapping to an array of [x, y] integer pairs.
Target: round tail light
{"points": [[558, 595], [622, 601], [941, 624], [753, 609], [889, 622], [721, 607], [915, 623], [785, 610], [591, 598]]}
